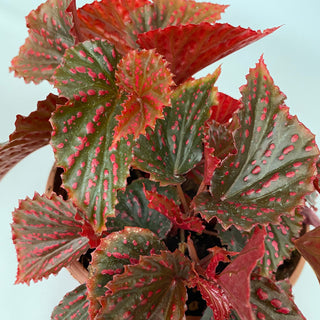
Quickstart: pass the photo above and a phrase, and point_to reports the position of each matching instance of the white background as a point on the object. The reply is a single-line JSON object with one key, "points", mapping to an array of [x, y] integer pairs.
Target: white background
{"points": [[292, 57]]}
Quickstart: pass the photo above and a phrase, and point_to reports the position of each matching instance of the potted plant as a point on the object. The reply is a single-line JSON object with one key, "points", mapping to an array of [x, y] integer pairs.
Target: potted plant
{"points": [[168, 199]]}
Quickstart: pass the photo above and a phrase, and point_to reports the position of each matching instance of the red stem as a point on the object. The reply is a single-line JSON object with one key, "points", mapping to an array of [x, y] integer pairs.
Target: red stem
{"points": [[76, 24]]}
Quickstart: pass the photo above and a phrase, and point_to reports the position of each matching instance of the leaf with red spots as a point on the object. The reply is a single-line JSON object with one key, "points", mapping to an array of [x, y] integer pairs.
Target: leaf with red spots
{"points": [[226, 107], [108, 19], [49, 36], [270, 302], [235, 278], [47, 237], [274, 166], [171, 210], [74, 305], [208, 43], [132, 208], [32, 133], [83, 130], [115, 251], [308, 246], [153, 288], [174, 147], [144, 76], [279, 242]]}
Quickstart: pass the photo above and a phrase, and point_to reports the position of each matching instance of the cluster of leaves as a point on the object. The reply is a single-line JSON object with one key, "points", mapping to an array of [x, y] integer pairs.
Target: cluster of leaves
{"points": [[238, 171]]}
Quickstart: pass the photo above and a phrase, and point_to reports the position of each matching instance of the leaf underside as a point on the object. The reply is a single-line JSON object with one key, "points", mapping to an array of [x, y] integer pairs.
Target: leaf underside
{"points": [[152, 289], [132, 209], [274, 165], [207, 43], [47, 237], [49, 36], [174, 147], [31, 133], [115, 251], [74, 305], [83, 129]]}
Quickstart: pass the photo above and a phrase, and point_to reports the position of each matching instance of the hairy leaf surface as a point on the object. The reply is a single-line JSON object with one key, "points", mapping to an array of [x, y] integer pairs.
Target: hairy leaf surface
{"points": [[132, 208], [47, 234], [270, 302], [74, 305], [207, 43], [83, 129], [115, 251], [153, 288], [174, 147], [49, 36], [308, 246], [274, 166], [144, 76], [31, 133]]}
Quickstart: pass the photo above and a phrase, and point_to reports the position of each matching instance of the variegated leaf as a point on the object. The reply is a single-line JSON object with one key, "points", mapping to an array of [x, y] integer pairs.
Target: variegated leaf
{"points": [[144, 76], [47, 234], [132, 208], [274, 165], [174, 147], [153, 288], [83, 129], [32, 133], [74, 305], [49, 36], [115, 251], [212, 43]]}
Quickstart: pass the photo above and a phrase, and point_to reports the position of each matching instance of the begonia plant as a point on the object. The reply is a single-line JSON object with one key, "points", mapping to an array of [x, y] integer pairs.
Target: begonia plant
{"points": [[164, 188]]}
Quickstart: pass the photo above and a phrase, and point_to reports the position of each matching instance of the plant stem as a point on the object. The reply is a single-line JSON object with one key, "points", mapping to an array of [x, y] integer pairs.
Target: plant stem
{"points": [[183, 200], [77, 270], [76, 25]]}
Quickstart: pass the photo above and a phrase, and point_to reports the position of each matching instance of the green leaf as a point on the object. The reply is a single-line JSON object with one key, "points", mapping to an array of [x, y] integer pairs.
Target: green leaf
{"points": [[49, 36], [132, 209], [83, 130], [274, 166], [47, 234], [74, 305], [153, 288], [115, 251], [270, 302], [174, 147], [144, 76], [279, 242], [31, 133]]}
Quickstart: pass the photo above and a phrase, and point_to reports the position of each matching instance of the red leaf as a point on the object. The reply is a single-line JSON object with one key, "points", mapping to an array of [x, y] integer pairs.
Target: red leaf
{"points": [[235, 278], [308, 245], [207, 43], [145, 77], [223, 111], [107, 19], [32, 133], [171, 210]]}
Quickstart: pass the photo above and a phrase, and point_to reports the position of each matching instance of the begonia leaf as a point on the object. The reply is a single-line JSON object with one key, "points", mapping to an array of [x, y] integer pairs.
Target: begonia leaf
{"points": [[174, 147], [144, 76], [235, 278], [83, 130], [170, 209], [153, 288], [270, 302], [115, 251], [274, 165], [308, 245], [31, 133], [49, 36], [132, 208], [208, 43], [222, 112], [74, 305], [47, 236], [279, 242], [108, 19]]}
